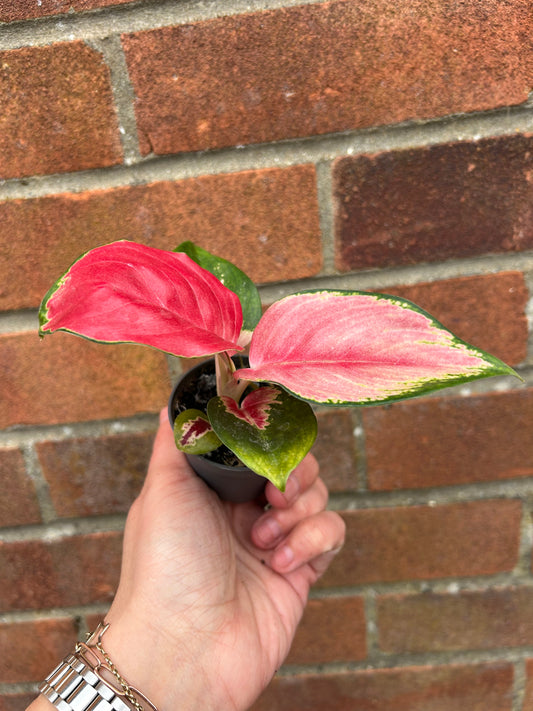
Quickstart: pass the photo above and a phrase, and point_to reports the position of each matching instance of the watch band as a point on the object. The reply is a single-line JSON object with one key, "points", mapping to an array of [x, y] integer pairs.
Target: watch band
{"points": [[73, 686]]}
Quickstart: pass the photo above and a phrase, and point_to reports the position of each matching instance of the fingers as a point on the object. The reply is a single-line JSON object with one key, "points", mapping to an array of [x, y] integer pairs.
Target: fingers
{"points": [[314, 541], [303, 476], [297, 531], [275, 524]]}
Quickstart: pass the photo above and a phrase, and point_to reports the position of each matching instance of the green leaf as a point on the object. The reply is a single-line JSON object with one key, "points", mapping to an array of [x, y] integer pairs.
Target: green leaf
{"points": [[232, 278], [271, 431], [193, 433]]}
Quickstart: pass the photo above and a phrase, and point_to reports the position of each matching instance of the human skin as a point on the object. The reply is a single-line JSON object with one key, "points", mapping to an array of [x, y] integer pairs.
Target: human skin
{"points": [[211, 593]]}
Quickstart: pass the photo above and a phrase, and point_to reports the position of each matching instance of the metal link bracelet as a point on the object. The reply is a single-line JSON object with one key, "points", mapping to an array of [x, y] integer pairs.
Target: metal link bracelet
{"points": [[81, 681], [83, 649]]}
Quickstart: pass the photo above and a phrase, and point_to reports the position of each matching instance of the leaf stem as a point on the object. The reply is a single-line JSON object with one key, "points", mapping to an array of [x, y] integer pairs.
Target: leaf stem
{"points": [[226, 383]]}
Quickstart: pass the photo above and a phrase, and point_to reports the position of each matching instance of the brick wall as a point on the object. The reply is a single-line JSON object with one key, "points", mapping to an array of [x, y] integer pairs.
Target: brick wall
{"points": [[370, 144]]}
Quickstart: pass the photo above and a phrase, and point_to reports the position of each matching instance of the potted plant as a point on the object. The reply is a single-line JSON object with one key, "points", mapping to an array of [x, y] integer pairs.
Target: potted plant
{"points": [[327, 347]]}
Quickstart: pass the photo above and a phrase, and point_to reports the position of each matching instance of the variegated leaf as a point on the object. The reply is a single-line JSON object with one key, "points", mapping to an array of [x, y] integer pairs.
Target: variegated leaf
{"points": [[233, 278], [270, 431], [127, 292], [193, 433], [359, 348]]}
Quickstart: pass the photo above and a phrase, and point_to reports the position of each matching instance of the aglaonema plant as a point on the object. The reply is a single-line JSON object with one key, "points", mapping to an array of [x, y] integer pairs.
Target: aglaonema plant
{"points": [[321, 347]]}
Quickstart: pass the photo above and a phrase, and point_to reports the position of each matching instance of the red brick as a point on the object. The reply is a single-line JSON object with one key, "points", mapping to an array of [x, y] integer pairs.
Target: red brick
{"points": [[457, 440], [266, 221], [332, 630], [443, 622], [77, 380], [483, 687], [323, 68], [93, 620], [487, 310], [528, 696], [18, 502], [15, 702], [57, 111], [427, 542], [433, 203], [30, 650], [63, 572], [90, 476], [29, 9], [335, 450]]}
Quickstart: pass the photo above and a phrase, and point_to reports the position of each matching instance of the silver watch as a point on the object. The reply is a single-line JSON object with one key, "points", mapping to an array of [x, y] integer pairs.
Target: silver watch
{"points": [[73, 686]]}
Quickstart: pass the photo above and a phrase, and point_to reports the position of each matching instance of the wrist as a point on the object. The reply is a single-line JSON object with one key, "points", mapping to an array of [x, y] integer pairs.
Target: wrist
{"points": [[163, 669]]}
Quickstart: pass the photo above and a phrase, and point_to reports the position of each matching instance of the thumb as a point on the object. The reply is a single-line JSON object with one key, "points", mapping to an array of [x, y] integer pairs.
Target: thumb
{"points": [[166, 461]]}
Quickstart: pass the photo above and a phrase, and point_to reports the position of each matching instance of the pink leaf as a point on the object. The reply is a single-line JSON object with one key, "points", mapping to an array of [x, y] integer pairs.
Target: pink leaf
{"points": [[359, 348], [127, 292], [255, 407]]}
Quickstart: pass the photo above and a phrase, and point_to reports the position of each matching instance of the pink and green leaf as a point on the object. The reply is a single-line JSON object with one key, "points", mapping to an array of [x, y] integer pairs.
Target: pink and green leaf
{"points": [[270, 431], [128, 292], [360, 348], [193, 433], [233, 278]]}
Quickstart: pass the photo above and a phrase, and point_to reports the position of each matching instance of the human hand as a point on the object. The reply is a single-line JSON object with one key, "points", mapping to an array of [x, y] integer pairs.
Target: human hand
{"points": [[211, 593]]}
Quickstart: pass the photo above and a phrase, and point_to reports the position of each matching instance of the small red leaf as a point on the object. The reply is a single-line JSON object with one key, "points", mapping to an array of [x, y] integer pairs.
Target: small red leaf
{"points": [[128, 292], [193, 433], [196, 429], [255, 407]]}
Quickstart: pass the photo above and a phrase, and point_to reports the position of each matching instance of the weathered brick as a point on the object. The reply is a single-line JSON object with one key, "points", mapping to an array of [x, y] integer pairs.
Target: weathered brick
{"points": [[439, 622], [29, 9], [488, 311], [528, 696], [62, 572], [335, 450], [449, 440], [18, 502], [74, 379], [332, 630], [15, 702], [95, 476], [30, 650], [57, 111], [433, 203], [322, 68], [93, 620], [427, 542], [266, 221], [483, 687]]}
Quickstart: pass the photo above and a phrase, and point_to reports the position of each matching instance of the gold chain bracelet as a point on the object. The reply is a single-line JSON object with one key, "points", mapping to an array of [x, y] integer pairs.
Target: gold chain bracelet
{"points": [[86, 651]]}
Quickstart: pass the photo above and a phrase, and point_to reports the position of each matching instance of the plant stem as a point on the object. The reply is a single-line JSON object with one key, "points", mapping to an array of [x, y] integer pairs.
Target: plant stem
{"points": [[226, 383]]}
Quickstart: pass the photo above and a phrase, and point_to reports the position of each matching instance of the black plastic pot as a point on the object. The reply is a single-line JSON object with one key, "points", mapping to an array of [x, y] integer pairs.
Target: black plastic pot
{"points": [[232, 483]]}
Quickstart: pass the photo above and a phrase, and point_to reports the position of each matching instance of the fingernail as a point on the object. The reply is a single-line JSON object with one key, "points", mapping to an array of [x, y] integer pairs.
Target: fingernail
{"points": [[292, 489], [268, 531], [283, 557]]}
